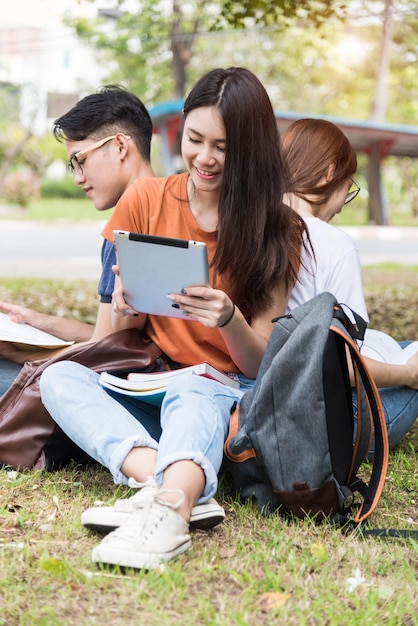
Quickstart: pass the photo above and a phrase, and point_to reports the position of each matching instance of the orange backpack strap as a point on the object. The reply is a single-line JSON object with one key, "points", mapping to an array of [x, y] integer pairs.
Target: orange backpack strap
{"points": [[233, 430], [381, 456]]}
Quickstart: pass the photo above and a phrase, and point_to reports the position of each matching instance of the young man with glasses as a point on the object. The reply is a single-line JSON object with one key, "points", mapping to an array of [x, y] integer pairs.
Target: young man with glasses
{"points": [[107, 136]]}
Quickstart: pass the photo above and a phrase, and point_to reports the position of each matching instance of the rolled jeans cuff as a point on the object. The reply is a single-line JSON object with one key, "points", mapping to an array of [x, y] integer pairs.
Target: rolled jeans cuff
{"points": [[211, 476], [121, 452]]}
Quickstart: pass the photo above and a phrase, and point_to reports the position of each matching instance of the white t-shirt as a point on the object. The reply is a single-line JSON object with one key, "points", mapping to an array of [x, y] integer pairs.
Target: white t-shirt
{"points": [[336, 268]]}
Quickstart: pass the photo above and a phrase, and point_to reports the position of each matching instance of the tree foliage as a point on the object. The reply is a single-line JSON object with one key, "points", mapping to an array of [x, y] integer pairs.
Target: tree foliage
{"points": [[318, 57], [149, 46], [280, 12], [307, 55], [157, 38]]}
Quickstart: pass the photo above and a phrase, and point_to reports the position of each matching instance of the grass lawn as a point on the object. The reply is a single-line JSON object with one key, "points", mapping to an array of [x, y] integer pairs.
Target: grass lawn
{"points": [[54, 209], [248, 571]]}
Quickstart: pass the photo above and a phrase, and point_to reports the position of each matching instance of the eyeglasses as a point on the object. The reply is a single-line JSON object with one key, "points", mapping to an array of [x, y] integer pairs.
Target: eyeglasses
{"points": [[352, 194], [74, 165]]}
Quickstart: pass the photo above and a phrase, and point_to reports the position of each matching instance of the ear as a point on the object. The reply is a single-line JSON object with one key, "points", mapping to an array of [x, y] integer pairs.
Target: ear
{"points": [[330, 172], [122, 143]]}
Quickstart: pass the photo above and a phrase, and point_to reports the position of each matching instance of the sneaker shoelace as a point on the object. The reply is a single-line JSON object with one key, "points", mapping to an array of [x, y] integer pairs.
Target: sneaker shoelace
{"points": [[164, 502], [146, 491], [144, 524]]}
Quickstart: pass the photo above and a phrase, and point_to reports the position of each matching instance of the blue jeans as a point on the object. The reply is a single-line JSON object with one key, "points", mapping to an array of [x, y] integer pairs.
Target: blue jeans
{"points": [[8, 372], [400, 405], [192, 424]]}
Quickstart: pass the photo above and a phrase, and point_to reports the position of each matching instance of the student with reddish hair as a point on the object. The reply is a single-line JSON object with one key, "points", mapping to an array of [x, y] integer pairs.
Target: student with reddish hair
{"points": [[321, 165]]}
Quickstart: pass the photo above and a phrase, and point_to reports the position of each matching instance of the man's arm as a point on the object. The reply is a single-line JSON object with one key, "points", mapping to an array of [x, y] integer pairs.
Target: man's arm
{"points": [[86, 333], [103, 325], [70, 330], [67, 329]]}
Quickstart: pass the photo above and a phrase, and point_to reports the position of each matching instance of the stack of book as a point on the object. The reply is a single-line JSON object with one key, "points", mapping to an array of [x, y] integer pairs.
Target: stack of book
{"points": [[151, 387]]}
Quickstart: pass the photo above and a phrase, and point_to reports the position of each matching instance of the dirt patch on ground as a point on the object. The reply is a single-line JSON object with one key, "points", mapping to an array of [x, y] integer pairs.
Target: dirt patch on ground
{"points": [[381, 277]]}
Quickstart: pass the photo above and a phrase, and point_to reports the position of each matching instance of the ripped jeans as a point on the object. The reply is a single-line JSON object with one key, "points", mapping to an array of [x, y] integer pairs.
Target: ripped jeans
{"points": [[192, 423]]}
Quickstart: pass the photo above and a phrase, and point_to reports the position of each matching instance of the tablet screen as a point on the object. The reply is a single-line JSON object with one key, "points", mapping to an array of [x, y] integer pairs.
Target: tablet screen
{"points": [[151, 267]]}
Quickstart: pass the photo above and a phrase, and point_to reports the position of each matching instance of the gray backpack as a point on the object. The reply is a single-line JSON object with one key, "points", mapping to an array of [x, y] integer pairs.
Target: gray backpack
{"points": [[293, 444]]}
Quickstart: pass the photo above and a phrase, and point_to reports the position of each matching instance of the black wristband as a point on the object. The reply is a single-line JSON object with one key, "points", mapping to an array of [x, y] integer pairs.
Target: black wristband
{"points": [[229, 318]]}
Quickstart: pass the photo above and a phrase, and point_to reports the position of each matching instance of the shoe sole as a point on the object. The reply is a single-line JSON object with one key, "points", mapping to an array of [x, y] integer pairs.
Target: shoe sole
{"points": [[206, 521], [106, 555], [203, 520]]}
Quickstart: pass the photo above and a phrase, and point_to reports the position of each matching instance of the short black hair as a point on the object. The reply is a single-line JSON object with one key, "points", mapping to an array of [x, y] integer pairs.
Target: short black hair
{"points": [[111, 109]]}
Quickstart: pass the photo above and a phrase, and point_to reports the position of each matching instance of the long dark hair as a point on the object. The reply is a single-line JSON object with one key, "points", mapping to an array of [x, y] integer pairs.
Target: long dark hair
{"points": [[259, 238], [310, 147]]}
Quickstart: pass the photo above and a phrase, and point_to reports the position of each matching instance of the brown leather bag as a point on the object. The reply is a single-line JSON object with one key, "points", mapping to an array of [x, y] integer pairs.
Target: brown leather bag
{"points": [[25, 424]]}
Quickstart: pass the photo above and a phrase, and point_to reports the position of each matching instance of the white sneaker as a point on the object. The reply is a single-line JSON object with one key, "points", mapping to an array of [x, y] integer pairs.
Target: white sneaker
{"points": [[154, 534], [104, 519]]}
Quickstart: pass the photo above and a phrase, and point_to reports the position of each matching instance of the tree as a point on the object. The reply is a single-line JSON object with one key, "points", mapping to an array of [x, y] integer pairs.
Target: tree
{"points": [[24, 156], [299, 49], [181, 47], [379, 107], [152, 41], [316, 57], [149, 45]]}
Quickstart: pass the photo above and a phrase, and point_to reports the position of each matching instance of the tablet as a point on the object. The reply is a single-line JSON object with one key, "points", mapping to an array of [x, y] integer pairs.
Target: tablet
{"points": [[151, 267]]}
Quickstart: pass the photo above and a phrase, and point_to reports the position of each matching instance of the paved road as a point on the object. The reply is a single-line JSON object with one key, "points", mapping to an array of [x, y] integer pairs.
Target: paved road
{"points": [[384, 244], [72, 250], [59, 250]]}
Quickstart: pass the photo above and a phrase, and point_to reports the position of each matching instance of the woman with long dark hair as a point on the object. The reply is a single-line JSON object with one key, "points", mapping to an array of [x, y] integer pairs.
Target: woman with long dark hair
{"points": [[231, 198]]}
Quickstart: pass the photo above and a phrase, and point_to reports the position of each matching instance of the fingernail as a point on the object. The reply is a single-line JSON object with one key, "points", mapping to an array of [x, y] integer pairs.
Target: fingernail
{"points": [[175, 305], [184, 292], [170, 297]]}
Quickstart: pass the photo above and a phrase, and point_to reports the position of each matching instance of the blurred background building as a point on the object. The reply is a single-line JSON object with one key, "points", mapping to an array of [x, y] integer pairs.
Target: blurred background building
{"points": [[43, 65]]}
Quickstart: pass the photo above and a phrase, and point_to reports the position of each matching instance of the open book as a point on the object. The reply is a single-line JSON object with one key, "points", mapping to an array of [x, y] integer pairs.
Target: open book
{"points": [[151, 387], [382, 347], [28, 336]]}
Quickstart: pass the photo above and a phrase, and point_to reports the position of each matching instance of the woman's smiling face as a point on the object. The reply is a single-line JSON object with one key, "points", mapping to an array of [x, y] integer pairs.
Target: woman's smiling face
{"points": [[203, 148]]}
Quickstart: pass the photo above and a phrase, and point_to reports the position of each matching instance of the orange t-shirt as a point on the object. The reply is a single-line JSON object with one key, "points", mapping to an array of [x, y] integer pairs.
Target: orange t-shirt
{"points": [[159, 206]]}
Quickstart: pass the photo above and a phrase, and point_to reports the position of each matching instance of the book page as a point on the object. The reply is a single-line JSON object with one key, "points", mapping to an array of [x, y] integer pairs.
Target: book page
{"points": [[151, 396], [406, 353], [28, 335], [380, 346], [201, 369], [129, 385], [160, 378], [156, 380]]}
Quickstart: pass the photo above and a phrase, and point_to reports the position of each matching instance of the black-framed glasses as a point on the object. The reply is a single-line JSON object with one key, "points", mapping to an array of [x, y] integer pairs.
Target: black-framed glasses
{"points": [[75, 167], [353, 193]]}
